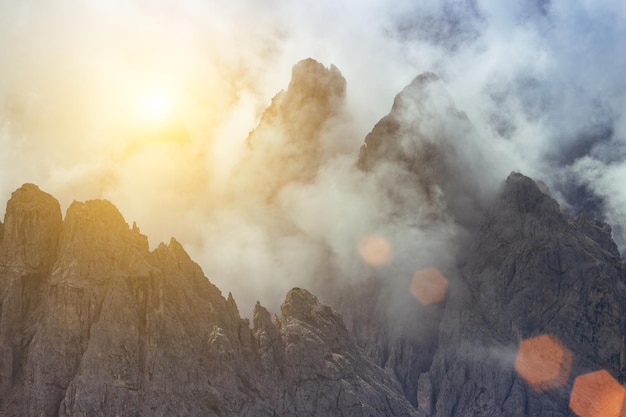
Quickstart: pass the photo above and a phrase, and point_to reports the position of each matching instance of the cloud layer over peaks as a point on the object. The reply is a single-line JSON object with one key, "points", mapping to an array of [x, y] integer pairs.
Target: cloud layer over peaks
{"points": [[540, 83]]}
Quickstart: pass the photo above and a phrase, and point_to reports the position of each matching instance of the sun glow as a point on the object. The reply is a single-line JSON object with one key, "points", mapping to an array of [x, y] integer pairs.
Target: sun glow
{"points": [[156, 105], [151, 114]]}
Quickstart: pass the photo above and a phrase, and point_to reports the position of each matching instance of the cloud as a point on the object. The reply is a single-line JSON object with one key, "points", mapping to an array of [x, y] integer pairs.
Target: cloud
{"points": [[541, 82]]}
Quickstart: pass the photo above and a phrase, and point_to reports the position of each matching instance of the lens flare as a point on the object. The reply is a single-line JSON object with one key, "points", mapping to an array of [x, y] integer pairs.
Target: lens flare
{"points": [[429, 286], [375, 249], [597, 394], [543, 362]]}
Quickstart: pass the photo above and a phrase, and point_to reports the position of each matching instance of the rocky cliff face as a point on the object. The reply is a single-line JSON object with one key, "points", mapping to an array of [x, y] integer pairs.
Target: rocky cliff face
{"points": [[427, 144], [309, 346], [30, 234], [93, 323], [403, 344], [286, 145], [527, 269], [427, 138], [532, 271]]}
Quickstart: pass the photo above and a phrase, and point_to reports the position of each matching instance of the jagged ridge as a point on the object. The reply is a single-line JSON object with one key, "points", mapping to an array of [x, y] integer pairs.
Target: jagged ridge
{"points": [[532, 270], [93, 323]]}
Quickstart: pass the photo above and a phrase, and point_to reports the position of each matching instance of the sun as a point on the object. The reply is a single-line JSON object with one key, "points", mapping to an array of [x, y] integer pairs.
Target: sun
{"points": [[156, 105], [151, 115]]}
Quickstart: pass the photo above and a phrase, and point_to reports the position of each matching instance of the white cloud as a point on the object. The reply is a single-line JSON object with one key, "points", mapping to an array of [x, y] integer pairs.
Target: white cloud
{"points": [[542, 81]]}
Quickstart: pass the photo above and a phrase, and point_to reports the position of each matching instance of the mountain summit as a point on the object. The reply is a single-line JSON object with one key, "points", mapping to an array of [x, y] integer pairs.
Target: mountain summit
{"points": [[528, 322], [429, 140], [93, 323], [286, 145], [532, 274]]}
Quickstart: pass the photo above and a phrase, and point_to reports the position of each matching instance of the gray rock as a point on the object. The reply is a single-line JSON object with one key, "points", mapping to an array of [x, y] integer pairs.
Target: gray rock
{"points": [[426, 138], [32, 226], [403, 344], [32, 223], [425, 144], [93, 323], [287, 145], [531, 271], [323, 371], [110, 328]]}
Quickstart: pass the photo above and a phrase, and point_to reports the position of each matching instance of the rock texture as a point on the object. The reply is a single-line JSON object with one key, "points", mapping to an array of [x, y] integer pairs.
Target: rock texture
{"points": [[30, 234], [286, 146], [29, 246], [309, 346], [93, 323], [425, 137], [426, 144], [532, 270], [403, 343], [526, 269]]}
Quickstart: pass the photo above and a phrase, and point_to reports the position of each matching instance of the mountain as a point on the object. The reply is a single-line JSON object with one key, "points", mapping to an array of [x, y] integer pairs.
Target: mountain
{"points": [[286, 146], [529, 321], [428, 139], [533, 273], [93, 323], [527, 272]]}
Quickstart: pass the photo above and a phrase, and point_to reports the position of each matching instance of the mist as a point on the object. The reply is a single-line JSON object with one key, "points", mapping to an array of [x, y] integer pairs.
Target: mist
{"points": [[541, 83]]}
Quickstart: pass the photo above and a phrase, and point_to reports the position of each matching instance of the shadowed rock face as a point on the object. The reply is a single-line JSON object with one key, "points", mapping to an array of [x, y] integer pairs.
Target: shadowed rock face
{"points": [[310, 347], [29, 246], [93, 323], [532, 271], [427, 138], [403, 345], [112, 328], [427, 144]]}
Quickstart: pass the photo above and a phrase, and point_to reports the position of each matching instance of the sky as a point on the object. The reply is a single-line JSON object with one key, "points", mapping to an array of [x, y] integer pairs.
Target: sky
{"points": [[149, 105]]}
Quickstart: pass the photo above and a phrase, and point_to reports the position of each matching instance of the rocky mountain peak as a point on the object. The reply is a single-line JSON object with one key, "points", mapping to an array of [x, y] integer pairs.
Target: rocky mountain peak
{"points": [[315, 93], [532, 270], [310, 332], [117, 330], [174, 256], [289, 144], [435, 145], [267, 336], [524, 195], [92, 216], [522, 210], [93, 323], [262, 320], [32, 224], [311, 80], [421, 88], [96, 242], [301, 305]]}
